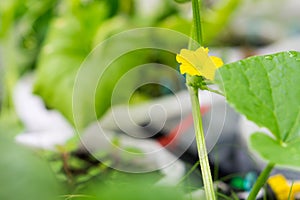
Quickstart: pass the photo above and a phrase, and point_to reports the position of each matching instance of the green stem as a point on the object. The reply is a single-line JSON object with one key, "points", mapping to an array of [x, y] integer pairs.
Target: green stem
{"points": [[193, 86], [262, 179], [197, 33], [200, 139]]}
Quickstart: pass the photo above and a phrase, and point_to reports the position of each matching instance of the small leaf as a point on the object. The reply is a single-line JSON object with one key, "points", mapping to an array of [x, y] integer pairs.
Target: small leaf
{"points": [[286, 154]]}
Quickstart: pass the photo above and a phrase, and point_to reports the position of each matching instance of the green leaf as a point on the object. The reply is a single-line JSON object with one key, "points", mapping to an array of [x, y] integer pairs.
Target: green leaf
{"points": [[286, 154], [265, 89], [24, 175], [125, 186], [68, 42]]}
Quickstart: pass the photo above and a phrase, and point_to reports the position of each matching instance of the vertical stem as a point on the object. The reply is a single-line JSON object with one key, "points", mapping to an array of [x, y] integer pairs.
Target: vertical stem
{"points": [[201, 146], [262, 179], [197, 32], [193, 90]]}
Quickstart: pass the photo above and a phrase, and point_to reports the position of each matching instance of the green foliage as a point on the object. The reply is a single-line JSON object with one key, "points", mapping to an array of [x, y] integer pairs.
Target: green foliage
{"points": [[63, 53], [177, 23], [129, 187], [9, 124], [23, 25], [24, 175], [264, 89], [6, 16], [68, 42], [216, 19], [28, 21], [72, 35]]}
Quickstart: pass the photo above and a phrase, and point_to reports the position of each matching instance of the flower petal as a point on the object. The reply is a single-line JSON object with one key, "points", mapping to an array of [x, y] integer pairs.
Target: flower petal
{"points": [[205, 64], [186, 66], [217, 61], [186, 69]]}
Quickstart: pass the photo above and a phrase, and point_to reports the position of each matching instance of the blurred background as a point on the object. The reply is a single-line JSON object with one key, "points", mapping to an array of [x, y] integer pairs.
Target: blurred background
{"points": [[52, 150]]}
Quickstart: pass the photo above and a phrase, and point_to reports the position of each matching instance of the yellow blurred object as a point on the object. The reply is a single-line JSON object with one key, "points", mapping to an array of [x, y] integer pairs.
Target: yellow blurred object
{"points": [[282, 189], [198, 63]]}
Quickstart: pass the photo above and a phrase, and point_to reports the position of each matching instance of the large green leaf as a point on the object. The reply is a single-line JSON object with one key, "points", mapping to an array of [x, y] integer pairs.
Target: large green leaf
{"points": [[65, 60], [265, 89], [64, 53], [68, 42], [24, 175]]}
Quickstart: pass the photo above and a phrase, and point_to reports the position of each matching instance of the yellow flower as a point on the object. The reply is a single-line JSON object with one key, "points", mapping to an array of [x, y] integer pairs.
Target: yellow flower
{"points": [[198, 63]]}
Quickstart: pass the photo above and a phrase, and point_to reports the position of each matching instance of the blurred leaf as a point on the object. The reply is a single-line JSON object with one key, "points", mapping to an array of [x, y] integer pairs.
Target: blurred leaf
{"points": [[286, 154], [96, 85], [68, 42], [31, 29], [24, 175], [110, 27], [93, 98], [27, 21], [130, 187], [22, 29], [177, 23], [63, 54], [9, 123], [113, 6], [215, 20], [6, 16], [71, 38]]}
